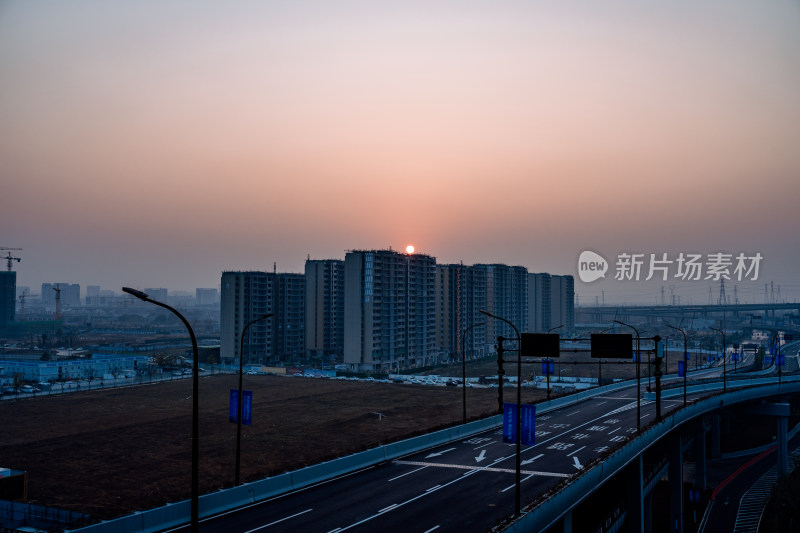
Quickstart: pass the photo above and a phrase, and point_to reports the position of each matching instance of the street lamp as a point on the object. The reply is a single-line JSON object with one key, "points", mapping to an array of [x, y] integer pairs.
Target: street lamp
{"points": [[519, 410], [195, 507], [241, 400], [464, 367], [724, 357], [685, 359], [600, 363], [559, 364], [638, 383]]}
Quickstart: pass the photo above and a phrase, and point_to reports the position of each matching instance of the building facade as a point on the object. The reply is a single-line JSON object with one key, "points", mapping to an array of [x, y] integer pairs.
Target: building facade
{"points": [[8, 296], [246, 296], [289, 319], [460, 295], [539, 307], [389, 310], [551, 303], [324, 320], [506, 297], [70, 294], [562, 302]]}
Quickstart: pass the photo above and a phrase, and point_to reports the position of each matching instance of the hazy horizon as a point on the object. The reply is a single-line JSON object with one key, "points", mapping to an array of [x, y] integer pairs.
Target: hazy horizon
{"points": [[158, 144]]}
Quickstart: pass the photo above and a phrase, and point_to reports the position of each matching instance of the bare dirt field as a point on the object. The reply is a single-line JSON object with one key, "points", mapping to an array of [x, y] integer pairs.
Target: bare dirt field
{"points": [[113, 451]]}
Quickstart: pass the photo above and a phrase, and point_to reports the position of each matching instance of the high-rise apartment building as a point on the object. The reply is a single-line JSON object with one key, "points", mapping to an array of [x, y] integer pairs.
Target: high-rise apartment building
{"points": [[290, 315], [160, 294], [70, 294], [539, 303], [550, 302], [389, 310], [207, 297], [506, 297], [8, 295], [460, 295], [324, 320], [562, 302], [248, 295]]}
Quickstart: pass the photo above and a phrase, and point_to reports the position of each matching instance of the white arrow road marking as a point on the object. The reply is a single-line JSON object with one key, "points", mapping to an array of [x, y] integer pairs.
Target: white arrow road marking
{"points": [[481, 457], [437, 454], [529, 461], [577, 464]]}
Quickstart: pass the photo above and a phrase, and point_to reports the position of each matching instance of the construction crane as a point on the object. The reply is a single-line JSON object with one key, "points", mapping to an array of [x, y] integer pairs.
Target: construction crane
{"points": [[10, 258], [57, 288], [22, 303]]}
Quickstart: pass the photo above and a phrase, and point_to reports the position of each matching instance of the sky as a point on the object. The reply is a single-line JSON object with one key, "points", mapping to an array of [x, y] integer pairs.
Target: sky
{"points": [[159, 143]]}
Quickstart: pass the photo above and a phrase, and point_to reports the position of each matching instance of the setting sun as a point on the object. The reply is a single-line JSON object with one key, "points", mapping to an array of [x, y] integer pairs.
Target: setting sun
{"points": [[410, 249]]}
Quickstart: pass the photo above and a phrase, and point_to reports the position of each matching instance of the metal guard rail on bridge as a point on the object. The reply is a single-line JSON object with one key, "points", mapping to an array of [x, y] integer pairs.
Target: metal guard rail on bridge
{"points": [[546, 513]]}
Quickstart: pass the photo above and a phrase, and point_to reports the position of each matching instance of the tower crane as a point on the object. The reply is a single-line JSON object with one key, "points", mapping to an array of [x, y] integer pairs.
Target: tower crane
{"points": [[22, 303], [10, 258], [57, 288]]}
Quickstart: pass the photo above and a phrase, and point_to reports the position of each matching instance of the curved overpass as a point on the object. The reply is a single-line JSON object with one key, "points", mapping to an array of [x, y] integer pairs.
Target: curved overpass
{"points": [[556, 506]]}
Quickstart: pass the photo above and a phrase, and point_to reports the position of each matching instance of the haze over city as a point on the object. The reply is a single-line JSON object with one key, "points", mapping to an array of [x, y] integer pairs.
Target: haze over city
{"points": [[158, 144]]}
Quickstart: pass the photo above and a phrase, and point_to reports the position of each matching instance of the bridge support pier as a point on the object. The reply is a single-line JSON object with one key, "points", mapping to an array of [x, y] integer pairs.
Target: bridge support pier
{"points": [[566, 522], [635, 495], [676, 485], [700, 459], [715, 437], [781, 412], [783, 445]]}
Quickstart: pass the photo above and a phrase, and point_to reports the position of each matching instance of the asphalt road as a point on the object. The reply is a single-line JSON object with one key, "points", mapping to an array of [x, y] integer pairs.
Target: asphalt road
{"points": [[461, 486]]}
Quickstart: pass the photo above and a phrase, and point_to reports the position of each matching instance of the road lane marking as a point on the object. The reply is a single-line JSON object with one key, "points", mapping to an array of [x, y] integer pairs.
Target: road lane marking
{"points": [[521, 481], [408, 473], [574, 413], [576, 451], [532, 459], [481, 456], [577, 464], [278, 521], [488, 469], [387, 508], [433, 488], [434, 528], [437, 454], [614, 431]]}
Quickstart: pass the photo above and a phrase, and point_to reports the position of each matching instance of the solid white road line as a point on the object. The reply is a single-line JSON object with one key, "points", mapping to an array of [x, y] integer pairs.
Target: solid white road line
{"points": [[278, 521], [576, 451], [407, 473]]}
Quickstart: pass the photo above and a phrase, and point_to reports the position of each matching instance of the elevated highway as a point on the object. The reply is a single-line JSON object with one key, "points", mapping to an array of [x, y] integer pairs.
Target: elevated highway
{"points": [[606, 313], [587, 448]]}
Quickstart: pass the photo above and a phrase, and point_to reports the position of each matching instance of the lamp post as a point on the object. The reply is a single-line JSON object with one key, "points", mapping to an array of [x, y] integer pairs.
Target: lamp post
{"points": [[638, 382], [559, 364], [519, 409], [724, 357], [685, 359], [600, 364], [195, 507], [464, 368], [241, 400]]}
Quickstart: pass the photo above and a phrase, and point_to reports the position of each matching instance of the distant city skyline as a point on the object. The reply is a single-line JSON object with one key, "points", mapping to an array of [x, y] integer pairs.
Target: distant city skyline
{"points": [[159, 144]]}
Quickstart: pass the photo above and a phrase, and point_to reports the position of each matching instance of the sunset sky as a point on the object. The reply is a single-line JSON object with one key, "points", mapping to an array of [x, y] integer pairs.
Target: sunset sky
{"points": [[158, 143]]}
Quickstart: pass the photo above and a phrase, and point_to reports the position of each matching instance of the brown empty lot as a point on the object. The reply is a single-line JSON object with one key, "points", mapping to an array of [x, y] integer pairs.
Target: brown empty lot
{"points": [[113, 451]]}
